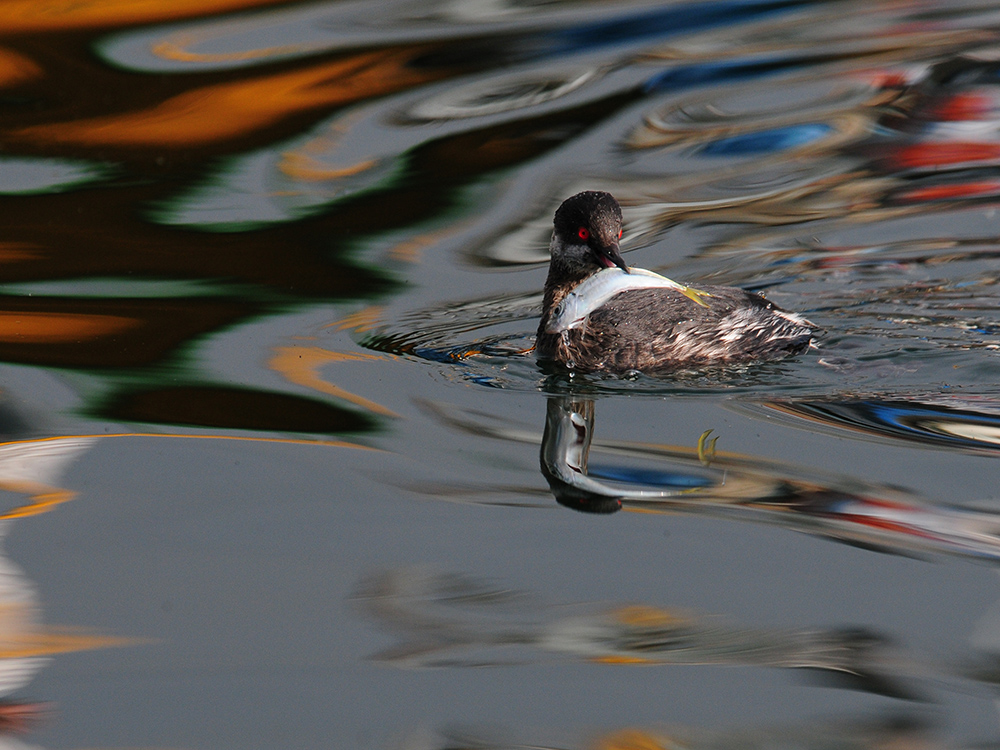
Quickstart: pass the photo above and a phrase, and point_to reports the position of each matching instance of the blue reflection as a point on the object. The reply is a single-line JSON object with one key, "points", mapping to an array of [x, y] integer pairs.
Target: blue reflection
{"points": [[767, 141], [666, 21], [704, 74], [650, 477], [959, 423]]}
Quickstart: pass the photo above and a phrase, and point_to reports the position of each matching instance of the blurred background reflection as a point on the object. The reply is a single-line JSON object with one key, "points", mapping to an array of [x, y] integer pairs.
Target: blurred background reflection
{"points": [[269, 276]]}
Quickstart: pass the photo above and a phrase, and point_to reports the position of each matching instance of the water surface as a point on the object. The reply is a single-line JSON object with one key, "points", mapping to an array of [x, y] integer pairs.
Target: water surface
{"points": [[281, 469]]}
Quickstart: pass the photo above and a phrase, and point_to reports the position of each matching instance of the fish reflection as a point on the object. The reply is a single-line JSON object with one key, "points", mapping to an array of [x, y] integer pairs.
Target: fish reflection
{"points": [[451, 620]]}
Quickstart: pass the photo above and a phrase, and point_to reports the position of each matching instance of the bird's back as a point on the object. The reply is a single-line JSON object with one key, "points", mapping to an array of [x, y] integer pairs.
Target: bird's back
{"points": [[660, 329]]}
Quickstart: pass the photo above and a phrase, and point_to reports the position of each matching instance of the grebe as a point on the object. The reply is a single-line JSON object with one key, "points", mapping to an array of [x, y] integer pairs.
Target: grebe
{"points": [[600, 316]]}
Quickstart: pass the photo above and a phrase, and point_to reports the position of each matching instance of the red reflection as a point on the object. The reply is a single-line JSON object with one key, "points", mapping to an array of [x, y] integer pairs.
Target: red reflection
{"points": [[923, 155]]}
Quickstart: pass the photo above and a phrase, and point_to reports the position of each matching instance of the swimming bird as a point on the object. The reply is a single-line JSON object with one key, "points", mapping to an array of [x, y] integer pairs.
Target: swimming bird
{"points": [[598, 315]]}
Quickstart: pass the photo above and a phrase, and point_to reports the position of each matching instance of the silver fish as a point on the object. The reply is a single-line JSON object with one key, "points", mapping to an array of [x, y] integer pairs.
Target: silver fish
{"points": [[597, 289]]}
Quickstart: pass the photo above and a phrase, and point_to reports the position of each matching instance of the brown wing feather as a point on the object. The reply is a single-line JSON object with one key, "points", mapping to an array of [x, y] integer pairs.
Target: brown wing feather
{"points": [[656, 329]]}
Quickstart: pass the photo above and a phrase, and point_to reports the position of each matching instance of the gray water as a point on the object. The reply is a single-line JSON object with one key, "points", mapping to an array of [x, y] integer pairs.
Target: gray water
{"points": [[281, 469]]}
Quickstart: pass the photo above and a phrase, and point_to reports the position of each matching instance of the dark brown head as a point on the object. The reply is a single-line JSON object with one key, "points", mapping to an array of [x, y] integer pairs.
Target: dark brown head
{"points": [[588, 227]]}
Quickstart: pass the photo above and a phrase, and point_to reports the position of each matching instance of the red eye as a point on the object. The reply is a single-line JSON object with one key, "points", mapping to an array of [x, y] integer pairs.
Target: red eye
{"points": [[619, 234], [583, 234]]}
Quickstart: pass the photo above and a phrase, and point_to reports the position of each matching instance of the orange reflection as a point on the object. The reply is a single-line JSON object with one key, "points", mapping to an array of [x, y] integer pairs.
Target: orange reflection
{"points": [[300, 365], [410, 249], [360, 321], [43, 498], [178, 47], [304, 162], [16, 68], [228, 110], [643, 615], [622, 660], [303, 167], [49, 328], [631, 739], [60, 641], [193, 436], [15, 252], [51, 15]]}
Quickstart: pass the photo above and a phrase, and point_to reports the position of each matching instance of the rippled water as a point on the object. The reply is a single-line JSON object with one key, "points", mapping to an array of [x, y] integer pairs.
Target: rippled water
{"points": [[281, 468]]}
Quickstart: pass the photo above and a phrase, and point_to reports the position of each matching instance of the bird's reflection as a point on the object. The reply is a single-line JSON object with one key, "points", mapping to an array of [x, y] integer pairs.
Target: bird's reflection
{"points": [[896, 732], [449, 620], [721, 484], [569, 427], [754, 489]]}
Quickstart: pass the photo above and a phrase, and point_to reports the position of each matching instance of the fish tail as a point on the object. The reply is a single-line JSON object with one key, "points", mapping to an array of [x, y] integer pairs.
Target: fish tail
{"points": [[695, 295]]}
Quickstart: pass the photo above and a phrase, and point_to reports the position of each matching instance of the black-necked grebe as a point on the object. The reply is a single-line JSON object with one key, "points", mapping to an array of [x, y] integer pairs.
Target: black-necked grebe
{"points": [[638, 323]]}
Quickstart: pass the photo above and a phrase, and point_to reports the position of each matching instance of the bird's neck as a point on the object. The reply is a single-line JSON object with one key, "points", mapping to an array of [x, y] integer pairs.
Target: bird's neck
{"points": [[562, 279]]}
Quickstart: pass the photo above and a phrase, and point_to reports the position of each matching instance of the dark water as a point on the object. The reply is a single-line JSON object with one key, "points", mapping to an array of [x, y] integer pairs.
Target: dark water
{"points": [[269, 276]]}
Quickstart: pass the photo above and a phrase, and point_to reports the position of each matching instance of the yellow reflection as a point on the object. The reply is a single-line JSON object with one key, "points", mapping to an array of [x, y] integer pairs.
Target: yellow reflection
{"points": [[16, 68], [301, 364], [229, 110], [51, 15], [58, 328]]}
